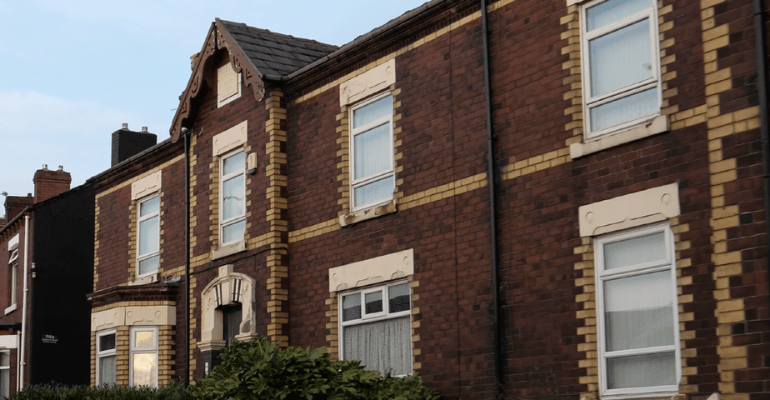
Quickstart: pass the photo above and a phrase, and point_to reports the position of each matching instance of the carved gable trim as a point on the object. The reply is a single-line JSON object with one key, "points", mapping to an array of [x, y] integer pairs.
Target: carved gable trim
{"points": [[218, 38]]}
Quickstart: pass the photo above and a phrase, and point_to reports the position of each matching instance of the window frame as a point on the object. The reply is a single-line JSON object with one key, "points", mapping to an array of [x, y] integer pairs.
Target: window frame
{"points": [[139, 220], [385, 314], [13, 281], [391, 171], [222, 178], [601, 276], [4, 392], [654, 82], [144, 350], [105, 353]]}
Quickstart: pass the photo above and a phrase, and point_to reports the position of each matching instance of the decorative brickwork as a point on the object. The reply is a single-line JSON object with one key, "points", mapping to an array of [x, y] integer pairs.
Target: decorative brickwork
{"points": [[278, 282]]}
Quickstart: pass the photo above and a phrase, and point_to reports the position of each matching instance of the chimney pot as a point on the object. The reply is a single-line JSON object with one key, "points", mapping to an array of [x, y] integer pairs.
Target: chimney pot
{"points": [[45, 167], [125, 125], [61, 168], [144, 129]]}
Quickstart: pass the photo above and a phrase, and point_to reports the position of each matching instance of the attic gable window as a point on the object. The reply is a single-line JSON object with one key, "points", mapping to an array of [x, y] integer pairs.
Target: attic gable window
{"points": [[228, 84]]}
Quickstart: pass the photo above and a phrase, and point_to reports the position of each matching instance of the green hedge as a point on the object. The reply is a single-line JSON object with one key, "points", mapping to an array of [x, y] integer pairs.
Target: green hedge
{"points": [[175, 391], [259, 369]]}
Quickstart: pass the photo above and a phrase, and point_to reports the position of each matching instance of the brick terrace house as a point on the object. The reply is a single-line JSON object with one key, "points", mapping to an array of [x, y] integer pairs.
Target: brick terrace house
{"points": [[552, 198], [45, 272]]}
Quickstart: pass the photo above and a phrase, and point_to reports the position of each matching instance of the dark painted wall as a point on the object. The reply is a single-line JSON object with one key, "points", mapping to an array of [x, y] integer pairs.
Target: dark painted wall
{"points": [[63, 275]]}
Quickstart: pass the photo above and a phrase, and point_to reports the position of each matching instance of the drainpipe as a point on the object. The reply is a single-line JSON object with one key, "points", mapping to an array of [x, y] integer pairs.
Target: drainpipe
{"points": [[759, 47], [18, 361], [24, 304], [187, 254], [492, 206]]}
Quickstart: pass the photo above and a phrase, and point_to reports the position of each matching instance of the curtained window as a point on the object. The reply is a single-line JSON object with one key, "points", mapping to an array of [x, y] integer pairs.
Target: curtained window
{"points": [[638, 324], [144, 356], [620, 63], [372, 175], [232, 216], [105, 355], [377, 328], [148, 237]]}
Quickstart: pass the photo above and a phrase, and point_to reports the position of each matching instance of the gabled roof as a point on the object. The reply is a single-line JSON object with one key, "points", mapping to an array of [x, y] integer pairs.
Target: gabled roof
{"points": [[273, 54], [257, 54]]}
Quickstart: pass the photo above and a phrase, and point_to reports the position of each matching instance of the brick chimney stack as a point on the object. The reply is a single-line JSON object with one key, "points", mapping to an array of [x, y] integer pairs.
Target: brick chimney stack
{"points": [[16, 204], [51, 183], [127, 143]]}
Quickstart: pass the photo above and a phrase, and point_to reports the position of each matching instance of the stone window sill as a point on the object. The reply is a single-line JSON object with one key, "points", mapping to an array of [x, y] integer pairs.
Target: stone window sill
{"points": [[368, 213], [145, 280], [228, 250], [650, 127]]}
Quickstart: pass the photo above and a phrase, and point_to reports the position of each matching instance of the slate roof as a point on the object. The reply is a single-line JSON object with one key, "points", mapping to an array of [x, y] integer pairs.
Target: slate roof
{"points": [[273, 54]]}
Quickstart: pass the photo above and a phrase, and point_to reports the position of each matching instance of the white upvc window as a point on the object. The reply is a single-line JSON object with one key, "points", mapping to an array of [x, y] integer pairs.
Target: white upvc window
{"points": [[143, 369], [376, 328], [148, 237], [372, 174], [105, 358], [637, 312], [232, 197], [621, 64], [5, 374], [13, 271]]}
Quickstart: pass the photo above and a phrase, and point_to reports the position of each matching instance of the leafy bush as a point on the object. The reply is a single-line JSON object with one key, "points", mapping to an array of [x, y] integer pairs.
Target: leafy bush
{"points": [[258, 369], [174, 391]]}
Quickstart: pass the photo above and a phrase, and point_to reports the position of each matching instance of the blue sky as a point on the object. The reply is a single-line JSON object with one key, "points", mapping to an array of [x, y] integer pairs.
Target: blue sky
{"points": [[73, 71]]}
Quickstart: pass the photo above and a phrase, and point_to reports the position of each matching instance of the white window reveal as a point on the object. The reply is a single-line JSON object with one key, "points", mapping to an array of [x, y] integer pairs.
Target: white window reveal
{"points": [[621, 73], [148, 237], [232, 197], [105, 354], [144, 357], [637, 312], [376, 328], [372, 175], [5, 374]]}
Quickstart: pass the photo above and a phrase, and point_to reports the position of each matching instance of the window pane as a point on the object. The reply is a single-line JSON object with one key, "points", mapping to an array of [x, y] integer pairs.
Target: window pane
{"points": [[234, 232], [620, 58], [233, 191], [107, 342], [625, 109], [639, 311], [5, 383], [144, 339], [398, 298], [351, 307], [641, 371], [373, 150], [145, 367], [638, 250], [106, 371], [373, 111], [5, 360], [373, 302], [149, 265], [236, 162], [614, 10], [149, 236], [375, 191], [384, 346], [150, 206]]}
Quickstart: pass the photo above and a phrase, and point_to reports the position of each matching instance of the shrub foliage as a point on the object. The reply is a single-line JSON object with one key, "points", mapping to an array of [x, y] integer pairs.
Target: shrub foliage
{"points": [[259, 369]]}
